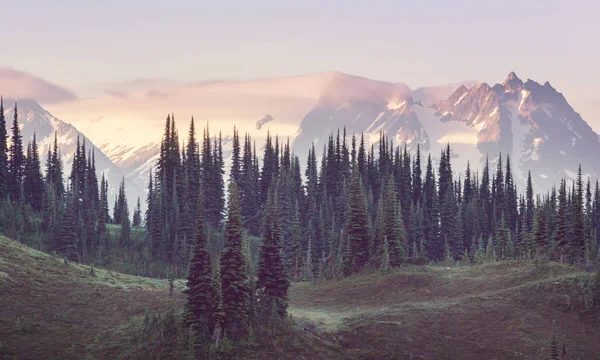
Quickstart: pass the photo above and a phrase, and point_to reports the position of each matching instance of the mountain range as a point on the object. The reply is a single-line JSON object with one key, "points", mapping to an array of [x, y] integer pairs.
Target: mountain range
{"points": [[532, 123]]}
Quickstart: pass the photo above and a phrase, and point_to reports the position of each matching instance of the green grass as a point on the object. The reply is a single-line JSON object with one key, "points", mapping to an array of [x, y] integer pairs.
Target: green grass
{"points": [[55, 311], [500, 310]]}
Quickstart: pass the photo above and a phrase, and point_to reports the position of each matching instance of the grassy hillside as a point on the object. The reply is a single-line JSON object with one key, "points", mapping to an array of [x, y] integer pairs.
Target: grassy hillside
{"points": [[505, 310], [496, 311], [49, 310]]}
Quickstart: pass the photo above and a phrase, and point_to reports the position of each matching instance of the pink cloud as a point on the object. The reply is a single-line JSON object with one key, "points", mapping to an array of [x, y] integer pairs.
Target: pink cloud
{"points": [[19, 85]]}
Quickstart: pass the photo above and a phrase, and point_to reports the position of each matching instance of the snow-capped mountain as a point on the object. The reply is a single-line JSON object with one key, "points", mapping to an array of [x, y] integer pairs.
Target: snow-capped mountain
{"points": [[128, 127], [532, 123], [33, 118]]}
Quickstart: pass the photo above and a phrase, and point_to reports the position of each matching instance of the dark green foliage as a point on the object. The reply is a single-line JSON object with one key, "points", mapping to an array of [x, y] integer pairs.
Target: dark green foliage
{"points": [[357, 224], [4, 176], [530, 210], [578, 226], [236, 170], [54, 169], [540, 233], [137, 214], [272, 285], [32, 177], [560, 238], [16, 164], [69, 236], [202, 305], [431, 215], [392, 226], [121, 214], [596, 287], [233, 272]]}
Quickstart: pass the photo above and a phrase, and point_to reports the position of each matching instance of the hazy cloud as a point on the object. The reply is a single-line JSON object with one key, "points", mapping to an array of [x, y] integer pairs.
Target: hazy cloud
{"points": [[19, 85]]}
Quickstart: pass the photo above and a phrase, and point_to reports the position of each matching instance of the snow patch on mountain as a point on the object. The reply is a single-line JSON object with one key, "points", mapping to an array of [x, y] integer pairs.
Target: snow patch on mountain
{"points": [[34, 119]]}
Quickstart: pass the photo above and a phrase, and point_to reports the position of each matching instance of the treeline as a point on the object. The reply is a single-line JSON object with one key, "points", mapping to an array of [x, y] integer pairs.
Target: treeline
{"points": [[366, 206], [361, 207], [234, 297], [41, 211]]}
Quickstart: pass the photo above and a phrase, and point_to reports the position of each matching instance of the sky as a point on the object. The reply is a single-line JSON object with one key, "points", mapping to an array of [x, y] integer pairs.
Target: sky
{"points": [[91, 46]]}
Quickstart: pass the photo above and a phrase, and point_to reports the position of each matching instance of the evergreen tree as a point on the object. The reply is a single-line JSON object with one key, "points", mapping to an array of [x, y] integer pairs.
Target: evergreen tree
{"points": [[431, 215], [236, 170], [32, 177], [417, 190], [529, 217], [357, 226], [578, 226], [233, 272], [272, 284], [17, 159], [69, 237], [503, 241], [201, 307], [540, 235], [560, 240], [393, 226], [122, 214], [137, 214], [4, 175]]}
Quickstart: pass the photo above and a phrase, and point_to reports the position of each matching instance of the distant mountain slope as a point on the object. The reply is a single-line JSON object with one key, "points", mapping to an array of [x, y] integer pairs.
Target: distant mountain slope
{"points": [[128, 127], [532, 123], [33, 118]]}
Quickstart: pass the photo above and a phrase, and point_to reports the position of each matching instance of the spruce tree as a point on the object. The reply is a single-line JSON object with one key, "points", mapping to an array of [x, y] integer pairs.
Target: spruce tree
{"points": [[272, 284], [17, 159], [233, 272], [201, 307], [560, 240], [393, 226], [236, 170], [417, 182], [32, 177], [357, 227], [503, 248], [540, 233], [137, 214], [431, 215], [4, 175], [578, 225], [69, 237], [529, 217]]}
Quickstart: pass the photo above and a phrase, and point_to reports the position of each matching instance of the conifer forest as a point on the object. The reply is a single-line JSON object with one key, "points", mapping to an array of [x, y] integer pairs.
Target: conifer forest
{"points": [[232, 241]]}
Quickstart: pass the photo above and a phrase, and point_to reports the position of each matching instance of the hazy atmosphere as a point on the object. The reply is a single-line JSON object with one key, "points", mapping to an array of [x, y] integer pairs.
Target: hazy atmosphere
{"points": [[93, 47], [318, 180]]}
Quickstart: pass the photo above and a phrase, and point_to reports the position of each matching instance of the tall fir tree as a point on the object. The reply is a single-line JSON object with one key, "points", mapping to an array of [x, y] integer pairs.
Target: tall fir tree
{"points": [[560, 237], [16, 163], [233, 272], [137, 213], [272, 284], [4, 174], [32, 177], [357, 224], [69, 226], [201, 304], [578, 225]]}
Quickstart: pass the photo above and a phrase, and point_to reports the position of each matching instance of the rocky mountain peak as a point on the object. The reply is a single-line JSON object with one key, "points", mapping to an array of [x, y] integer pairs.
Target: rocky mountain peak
{"points": [[512, 83]]}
